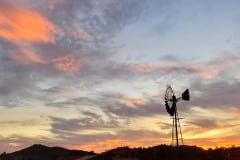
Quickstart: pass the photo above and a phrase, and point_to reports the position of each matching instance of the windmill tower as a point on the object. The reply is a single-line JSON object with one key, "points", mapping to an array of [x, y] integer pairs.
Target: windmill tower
{"points": [[171, 107]]}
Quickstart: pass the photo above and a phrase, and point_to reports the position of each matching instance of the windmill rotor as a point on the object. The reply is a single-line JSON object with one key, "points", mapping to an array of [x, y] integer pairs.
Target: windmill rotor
{"points": [[169, 101], [169, 93]]}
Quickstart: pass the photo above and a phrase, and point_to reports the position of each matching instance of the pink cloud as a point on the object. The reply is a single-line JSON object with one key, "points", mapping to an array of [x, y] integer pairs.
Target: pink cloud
{"points": [[205, 70], [79, 33], [190, 69], [67, 64], [26, 57], [223, 62]]}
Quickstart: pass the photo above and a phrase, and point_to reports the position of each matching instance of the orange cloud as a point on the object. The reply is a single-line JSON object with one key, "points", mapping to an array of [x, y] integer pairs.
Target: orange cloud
{"points": [[134, 101], [206, 74], [148, 68], [19, 24], [26, 57]]}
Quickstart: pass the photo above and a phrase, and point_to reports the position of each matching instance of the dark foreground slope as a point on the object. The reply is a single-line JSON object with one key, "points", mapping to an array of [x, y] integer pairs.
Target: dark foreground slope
{"points": [[161, 152], [164, 152], [41, 152]]}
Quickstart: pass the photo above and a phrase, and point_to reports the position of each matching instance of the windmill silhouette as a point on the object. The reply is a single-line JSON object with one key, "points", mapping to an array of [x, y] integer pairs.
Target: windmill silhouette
{"points": [[171, 107]]}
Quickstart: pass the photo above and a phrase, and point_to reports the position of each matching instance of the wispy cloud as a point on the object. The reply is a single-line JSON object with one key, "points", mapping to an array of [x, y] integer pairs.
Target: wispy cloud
{"points": [[188, 69], [67, 64], [216, 93], [207, 70], [133, 101], [26, 56]]}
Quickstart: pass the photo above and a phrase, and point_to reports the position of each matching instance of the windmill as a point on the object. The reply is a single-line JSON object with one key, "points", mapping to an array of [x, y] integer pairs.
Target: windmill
{"points": [[171, 107]]}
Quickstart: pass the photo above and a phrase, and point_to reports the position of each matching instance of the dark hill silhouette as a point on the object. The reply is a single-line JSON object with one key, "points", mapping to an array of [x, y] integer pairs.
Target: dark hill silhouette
{"points": [[41, 152], [38, 149], [164, 152]]}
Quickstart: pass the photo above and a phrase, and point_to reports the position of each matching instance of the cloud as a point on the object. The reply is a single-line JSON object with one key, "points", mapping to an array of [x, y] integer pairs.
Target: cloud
{"points": [[219, 93], [105, 134], [80, 49], [123, 110], [89, 122], [25, 56], [30, 122], [207, 70], [14, 83], [133, 101], [67, 64], [22, 24], [204, 123], [91, 20], [63, 92], [224, 62], [116, 105], [189, 69]]}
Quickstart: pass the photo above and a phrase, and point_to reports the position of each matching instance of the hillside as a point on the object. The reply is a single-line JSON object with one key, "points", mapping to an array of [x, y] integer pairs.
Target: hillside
{"points": [[164, 152], [41, 152]]}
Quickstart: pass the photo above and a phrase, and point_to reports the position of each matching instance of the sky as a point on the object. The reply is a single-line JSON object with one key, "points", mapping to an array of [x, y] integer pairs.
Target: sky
{"points": [[92, 75]]}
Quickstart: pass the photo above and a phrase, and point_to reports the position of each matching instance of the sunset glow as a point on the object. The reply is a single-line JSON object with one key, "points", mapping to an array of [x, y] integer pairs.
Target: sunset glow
{"points": [[92, 75]]}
